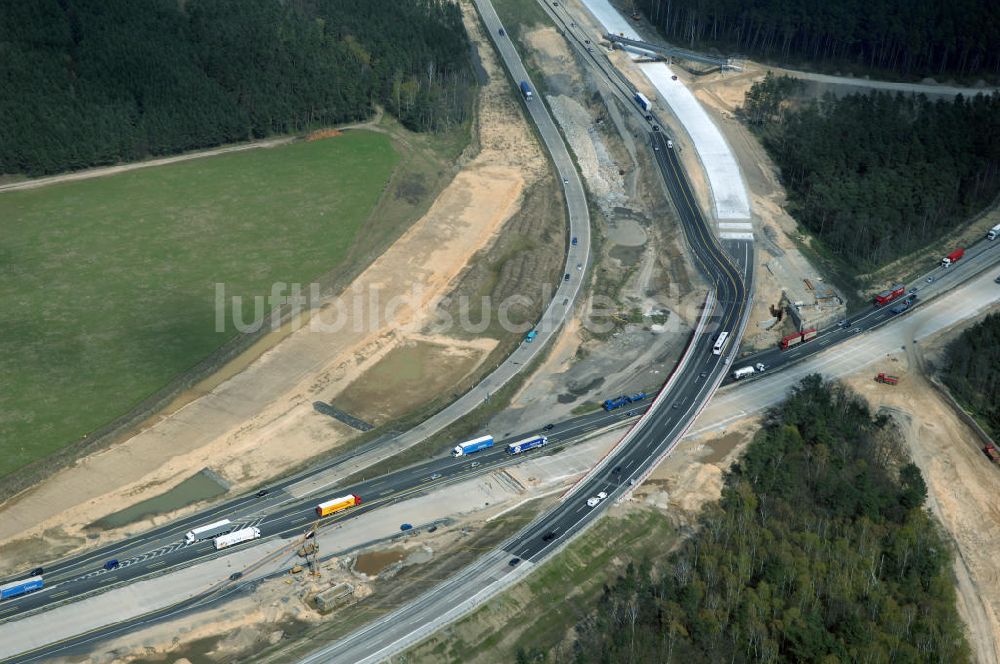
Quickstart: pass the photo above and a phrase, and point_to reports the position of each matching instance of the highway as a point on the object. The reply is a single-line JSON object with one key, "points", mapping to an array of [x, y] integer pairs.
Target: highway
{"points": [[82, 574], [278, 514], [730, 269], [281, 515], [980, 256], [729, 266]]}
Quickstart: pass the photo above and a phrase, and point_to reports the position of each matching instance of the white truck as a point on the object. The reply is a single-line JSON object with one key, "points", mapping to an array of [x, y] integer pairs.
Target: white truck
{"points": [[993, 233], [236, 537], [748, 371], [208, 531]]}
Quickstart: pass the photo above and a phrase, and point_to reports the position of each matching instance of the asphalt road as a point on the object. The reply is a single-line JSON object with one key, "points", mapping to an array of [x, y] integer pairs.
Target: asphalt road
{"points": [[82, 574], [980, 256], [279, 515], [730, 269]]}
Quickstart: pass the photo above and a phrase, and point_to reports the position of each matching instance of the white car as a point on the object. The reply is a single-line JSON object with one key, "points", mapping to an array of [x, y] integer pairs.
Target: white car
{"points": [[602, 496], [592, 502], [670, 145]]}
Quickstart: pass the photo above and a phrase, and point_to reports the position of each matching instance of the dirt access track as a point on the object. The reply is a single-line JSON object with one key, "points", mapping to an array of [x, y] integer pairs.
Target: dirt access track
{"points": [[260, 422], [961, 487]]}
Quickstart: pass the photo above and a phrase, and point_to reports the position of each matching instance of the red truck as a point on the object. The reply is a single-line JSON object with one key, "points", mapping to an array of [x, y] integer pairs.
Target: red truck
{"points": [[887, 296], [991, 452], [797, 338], [886, 379], [952, 257]]}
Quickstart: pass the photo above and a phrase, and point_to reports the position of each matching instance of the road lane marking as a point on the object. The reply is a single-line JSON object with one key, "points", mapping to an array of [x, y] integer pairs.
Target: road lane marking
{"points": [[299, 520], [62, 593], [159, 563]]}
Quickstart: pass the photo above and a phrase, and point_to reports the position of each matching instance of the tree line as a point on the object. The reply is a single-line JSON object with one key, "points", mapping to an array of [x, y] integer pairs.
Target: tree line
{"points": [[972, 372], [91, 82], [818, 551], [916, 38], [877, 176]]}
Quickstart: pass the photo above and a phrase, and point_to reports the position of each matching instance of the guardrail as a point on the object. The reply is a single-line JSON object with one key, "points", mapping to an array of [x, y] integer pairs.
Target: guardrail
{"points": [[706, 313]]}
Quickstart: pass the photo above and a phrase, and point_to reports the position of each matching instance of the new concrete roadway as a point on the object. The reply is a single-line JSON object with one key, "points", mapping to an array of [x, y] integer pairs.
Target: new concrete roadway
{"points": [[730, 269], [982, 255]]}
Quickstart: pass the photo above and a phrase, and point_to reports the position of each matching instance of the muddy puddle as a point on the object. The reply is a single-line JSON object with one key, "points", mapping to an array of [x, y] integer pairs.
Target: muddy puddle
{"points": [[203, 486], [720, 448], [375, 561]]}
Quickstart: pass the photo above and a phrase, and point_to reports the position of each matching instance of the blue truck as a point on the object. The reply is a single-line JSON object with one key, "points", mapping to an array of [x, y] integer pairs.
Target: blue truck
{"points": [[15, 588], [526, 444], [643, 101], [623, 400], [530, 336], [471, 446], [526, 90], [905, 304]]}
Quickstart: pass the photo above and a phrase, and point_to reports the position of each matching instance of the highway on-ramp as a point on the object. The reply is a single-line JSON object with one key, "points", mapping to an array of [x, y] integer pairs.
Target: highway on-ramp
{"points": [[730, 269]]}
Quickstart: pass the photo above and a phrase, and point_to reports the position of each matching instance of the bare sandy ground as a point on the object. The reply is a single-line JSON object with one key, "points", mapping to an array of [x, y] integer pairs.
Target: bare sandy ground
{"points": [[962, 486], [260, 422]]}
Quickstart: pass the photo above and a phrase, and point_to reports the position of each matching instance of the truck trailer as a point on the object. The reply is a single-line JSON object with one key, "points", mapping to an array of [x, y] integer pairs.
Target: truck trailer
{"points": [[22, 587], [471, 446], [952, 257], [335, 505], [208, 532], [798, 338], [748, 371], [888, 295], [526, 91], [236, 537], [643, 101], [526, 444], [993, 233]]}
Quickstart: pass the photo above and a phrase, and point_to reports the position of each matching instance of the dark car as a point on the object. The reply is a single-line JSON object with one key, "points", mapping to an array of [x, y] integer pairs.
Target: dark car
{"points": [[112, 564], [656, 128], [573, 242], [263, 492], [38, 571], [501, 32], [673, 77], [432, 529], [406, 526], [236, 576], [514, 561], [566, 277], [616, 470], [549, 536], [997, 280], [548, 427]]}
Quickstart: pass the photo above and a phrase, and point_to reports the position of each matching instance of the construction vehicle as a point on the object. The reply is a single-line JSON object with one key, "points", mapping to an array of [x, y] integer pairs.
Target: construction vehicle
{"points": [[886, 379]]}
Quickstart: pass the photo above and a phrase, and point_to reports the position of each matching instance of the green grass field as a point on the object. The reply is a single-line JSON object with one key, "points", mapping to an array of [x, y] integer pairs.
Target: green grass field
{"points": [[108, 285]]}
